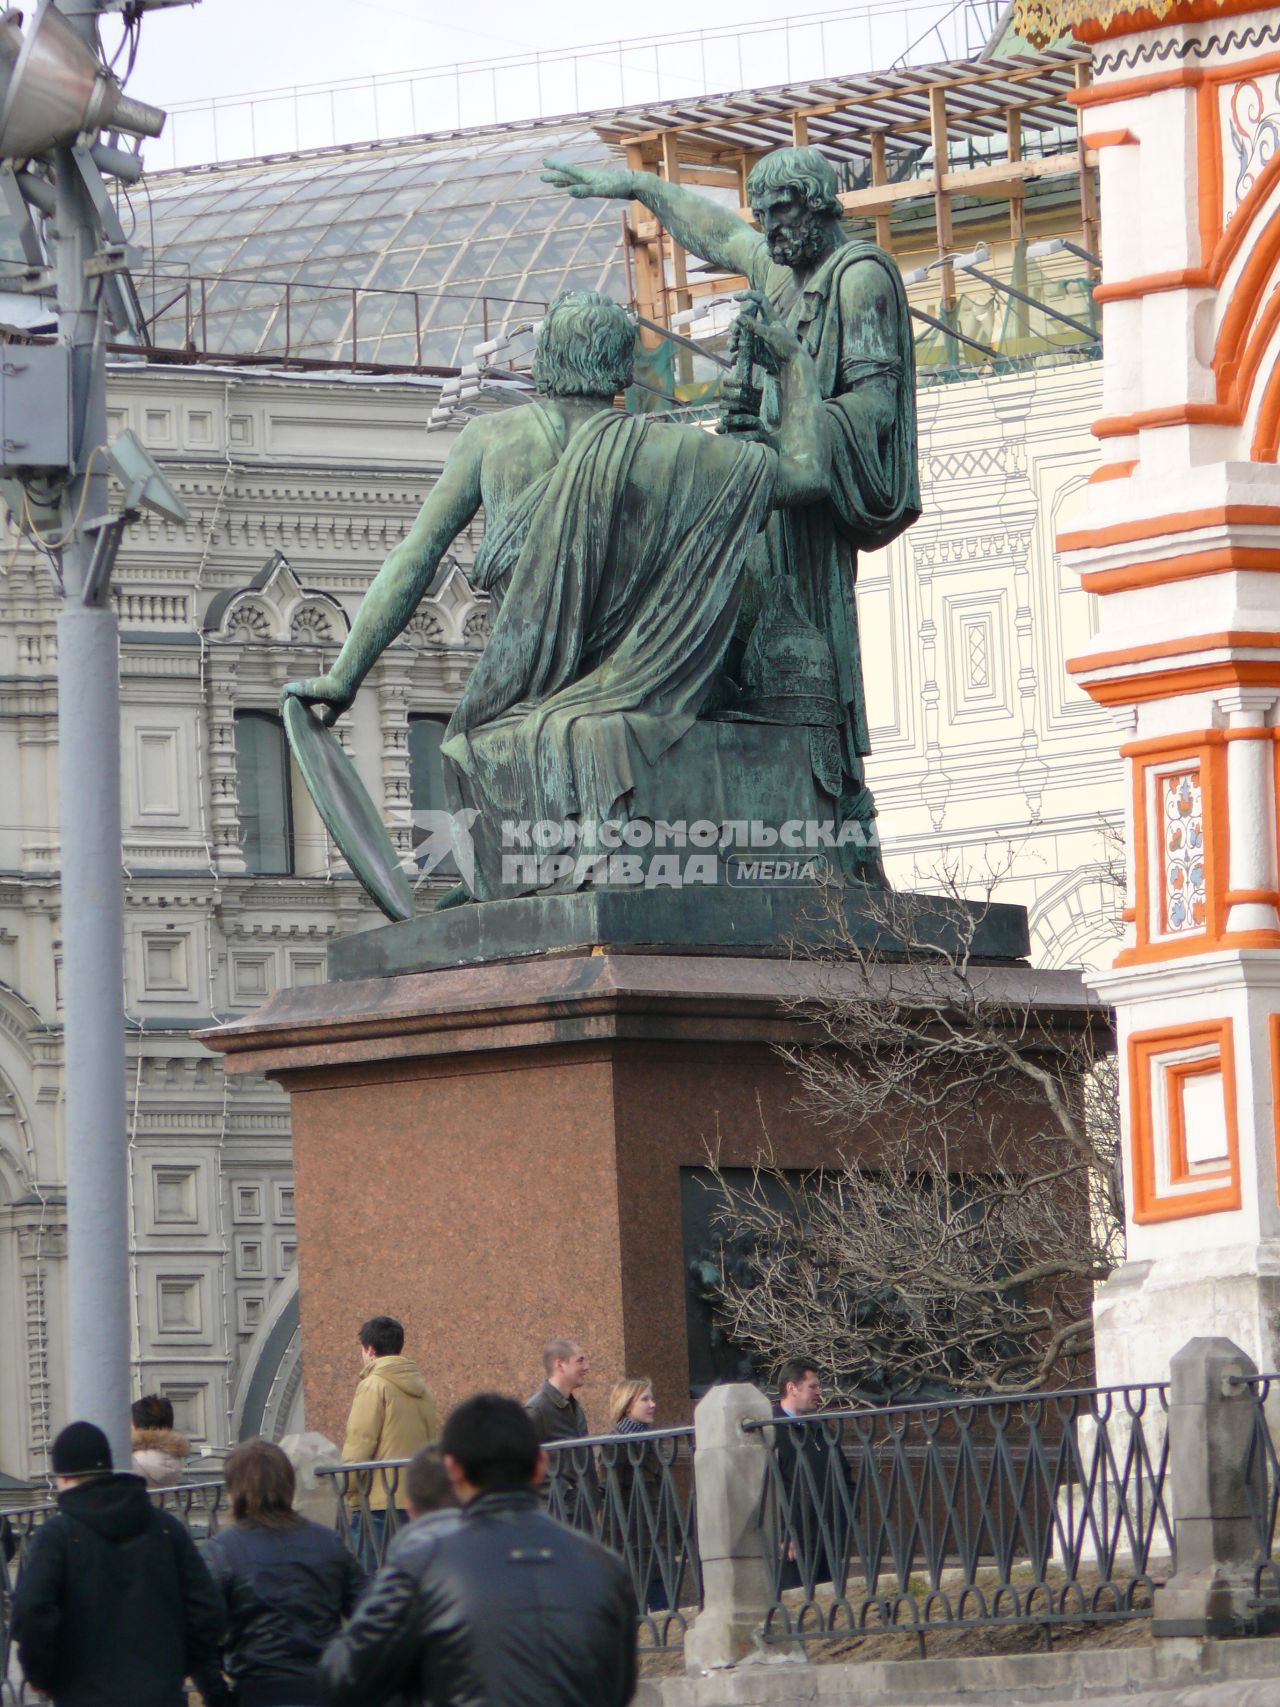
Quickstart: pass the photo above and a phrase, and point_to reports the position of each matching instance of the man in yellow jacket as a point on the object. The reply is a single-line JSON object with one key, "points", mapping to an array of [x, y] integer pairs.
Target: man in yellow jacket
{"points": [[392, 1415]]}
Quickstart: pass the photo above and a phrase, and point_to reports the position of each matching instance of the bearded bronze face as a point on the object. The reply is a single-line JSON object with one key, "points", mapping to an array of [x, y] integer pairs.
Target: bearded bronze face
{"points": [[797, 235]]}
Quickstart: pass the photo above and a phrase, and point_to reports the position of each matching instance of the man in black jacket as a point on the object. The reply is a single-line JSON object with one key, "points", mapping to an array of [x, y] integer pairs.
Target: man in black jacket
{"points": [[509, 1606], [114, 1603], [814, 1485]]}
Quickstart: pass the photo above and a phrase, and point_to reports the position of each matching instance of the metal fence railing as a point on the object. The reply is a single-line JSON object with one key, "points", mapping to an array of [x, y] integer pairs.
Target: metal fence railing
{"points": [[635, 1493], [1262, 1497], [369, 1505], [632, 1492], [1039, 1510], [1036, 1510], [249, 320], [548, 82]]}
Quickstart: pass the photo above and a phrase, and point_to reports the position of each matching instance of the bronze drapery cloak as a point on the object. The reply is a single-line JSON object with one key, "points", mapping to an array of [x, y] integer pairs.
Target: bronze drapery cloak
{"points": [[865, 362], [618, 575]]}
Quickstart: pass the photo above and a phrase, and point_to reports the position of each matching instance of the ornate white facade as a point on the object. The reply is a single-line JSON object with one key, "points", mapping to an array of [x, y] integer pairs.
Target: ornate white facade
{"points": [[296, 490], [987, 761], [297, 487]]}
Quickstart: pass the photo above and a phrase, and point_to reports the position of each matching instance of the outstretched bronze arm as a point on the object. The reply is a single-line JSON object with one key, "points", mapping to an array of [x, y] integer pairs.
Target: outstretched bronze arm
{"points": [[698, 224]]}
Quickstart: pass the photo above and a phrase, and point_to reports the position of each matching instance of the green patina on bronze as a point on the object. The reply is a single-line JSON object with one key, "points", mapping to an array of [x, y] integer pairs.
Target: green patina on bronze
{"points": [[845, 303], [349, 814], [647, 576]]}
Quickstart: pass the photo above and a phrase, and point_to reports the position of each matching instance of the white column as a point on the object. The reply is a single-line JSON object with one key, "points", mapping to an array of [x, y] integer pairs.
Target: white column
{"points": [[1251, 809], [1125, 717]]}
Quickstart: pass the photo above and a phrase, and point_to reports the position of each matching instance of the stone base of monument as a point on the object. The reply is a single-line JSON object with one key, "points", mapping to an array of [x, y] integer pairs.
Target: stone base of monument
{"points": [[501, 1152], [723, 917]]}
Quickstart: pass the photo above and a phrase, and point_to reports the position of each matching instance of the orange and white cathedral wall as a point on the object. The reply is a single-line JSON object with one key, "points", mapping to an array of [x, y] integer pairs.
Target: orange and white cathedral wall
{"points": [[1178, 535]]}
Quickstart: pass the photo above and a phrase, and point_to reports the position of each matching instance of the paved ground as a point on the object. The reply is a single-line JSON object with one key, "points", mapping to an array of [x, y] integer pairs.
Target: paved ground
{"points": [[1234, 1694]]}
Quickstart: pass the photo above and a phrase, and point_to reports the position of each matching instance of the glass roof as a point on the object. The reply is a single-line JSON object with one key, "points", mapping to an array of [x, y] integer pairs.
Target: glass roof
{"points": [[406, 253]]}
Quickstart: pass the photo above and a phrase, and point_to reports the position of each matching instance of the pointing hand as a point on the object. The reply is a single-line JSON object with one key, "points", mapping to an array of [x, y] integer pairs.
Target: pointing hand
{"points": [[617, 182]]}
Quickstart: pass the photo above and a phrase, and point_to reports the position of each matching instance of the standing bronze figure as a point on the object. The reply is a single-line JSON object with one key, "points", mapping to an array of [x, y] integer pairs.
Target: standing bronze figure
{"points": [[845, 303]]}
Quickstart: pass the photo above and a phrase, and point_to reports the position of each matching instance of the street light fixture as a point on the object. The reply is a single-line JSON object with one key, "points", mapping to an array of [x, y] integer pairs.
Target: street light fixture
{"points": [[1040, 251], [57, 89], [56, 95], [970, 258], [974, 260]]}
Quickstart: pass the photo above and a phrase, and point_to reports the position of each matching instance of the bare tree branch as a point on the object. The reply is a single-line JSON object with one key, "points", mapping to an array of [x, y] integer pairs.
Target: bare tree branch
{"points": [[975, 1202]]}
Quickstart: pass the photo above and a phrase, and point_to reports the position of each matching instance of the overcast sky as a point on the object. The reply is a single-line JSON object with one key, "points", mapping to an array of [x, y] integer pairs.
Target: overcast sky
{"points": [[229, 46], [234, 47]]}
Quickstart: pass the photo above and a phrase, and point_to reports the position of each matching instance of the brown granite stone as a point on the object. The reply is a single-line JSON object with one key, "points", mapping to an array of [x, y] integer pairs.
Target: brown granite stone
{"points": [[493, 1153]]}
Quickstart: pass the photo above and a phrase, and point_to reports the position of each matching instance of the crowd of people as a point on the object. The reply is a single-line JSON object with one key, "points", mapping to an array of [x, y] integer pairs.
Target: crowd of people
{"points": [[480, 1595]]}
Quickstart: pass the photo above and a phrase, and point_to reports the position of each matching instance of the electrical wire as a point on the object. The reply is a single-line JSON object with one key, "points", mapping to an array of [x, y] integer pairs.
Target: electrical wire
{"points": [[203, 727], [133, 212], [130, 38], [28, 524]]}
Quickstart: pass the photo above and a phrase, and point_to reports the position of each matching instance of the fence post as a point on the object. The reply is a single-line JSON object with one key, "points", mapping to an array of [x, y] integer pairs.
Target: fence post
{"points": [[729, 1471], [1211, 1419]]}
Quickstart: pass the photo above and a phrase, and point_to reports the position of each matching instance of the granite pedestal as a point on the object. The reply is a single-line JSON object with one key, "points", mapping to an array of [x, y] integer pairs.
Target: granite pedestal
{"points": [[493, 1152]]}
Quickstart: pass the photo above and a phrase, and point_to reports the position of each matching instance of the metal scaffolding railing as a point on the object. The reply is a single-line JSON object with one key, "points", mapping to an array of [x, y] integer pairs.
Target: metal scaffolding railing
{"points": [[526, 87], [255, 321]]}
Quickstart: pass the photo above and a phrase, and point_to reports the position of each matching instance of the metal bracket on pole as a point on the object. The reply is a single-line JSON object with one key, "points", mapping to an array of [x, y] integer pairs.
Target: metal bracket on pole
{"points": [[32, 281], [16, 207], [111, 262], [107, 533]]}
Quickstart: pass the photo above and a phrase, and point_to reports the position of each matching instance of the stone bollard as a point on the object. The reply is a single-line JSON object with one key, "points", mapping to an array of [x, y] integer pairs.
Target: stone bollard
{"points": [[1211, 1417], [729, 1468], [316, 1496]]}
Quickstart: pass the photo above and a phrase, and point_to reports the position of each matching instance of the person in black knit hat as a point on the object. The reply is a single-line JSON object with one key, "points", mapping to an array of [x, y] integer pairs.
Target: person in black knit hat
{"points": [[113, 1602]]}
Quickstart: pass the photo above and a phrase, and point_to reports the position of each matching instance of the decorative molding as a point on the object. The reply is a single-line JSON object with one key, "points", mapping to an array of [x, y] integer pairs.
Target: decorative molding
{"points": [[313, 625], [171, 610], [1212, 46], [966, 464], [424, 630], [475, 630], [397, 789], [249, 621], [276, 607]]}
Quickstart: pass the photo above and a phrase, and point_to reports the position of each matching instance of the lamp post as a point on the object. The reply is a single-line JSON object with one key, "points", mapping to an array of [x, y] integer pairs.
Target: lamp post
{"points": [[97, 1152], [56, 97]]}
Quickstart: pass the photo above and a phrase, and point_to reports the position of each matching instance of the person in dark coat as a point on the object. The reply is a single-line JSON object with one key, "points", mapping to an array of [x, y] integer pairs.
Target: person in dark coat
{"points": [[638, 1521], [557, 1415], [814, 1482], [508, 1607], [113, 1603], [632, 1408], [286, 1584]]}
